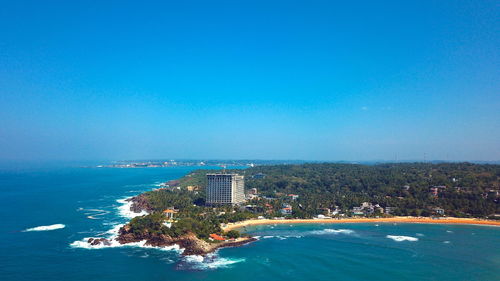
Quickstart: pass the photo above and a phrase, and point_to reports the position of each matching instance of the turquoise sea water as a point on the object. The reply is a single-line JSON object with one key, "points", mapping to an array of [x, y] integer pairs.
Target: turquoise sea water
{"points": [[68, 196]]}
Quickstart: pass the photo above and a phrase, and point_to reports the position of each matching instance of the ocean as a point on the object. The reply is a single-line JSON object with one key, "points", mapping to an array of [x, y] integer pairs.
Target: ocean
{"points": [[46, 213]]}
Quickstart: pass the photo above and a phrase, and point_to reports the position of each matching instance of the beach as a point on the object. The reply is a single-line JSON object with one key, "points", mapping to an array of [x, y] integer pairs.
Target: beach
{"points": [[444, 220]]}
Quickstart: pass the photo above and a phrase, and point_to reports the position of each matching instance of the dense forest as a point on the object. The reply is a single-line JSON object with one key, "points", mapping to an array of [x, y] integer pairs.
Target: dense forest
{"points": [[460, 190], [464, 189]]}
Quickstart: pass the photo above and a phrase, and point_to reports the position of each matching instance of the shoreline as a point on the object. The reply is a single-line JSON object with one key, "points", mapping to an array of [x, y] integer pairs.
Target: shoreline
{"points": [[186, 245], [423, 220]]}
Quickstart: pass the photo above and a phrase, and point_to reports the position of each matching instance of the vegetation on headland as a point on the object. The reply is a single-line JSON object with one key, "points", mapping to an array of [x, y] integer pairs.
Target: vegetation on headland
{"points": [[464, 190], [154, 223]]}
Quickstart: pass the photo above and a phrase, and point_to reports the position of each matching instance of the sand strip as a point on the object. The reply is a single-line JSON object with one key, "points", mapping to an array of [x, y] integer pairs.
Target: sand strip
{"points": [[446, 220]]}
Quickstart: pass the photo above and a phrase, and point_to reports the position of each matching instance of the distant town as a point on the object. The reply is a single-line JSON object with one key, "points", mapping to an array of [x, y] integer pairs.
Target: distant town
{"points": [[250, 163], [174, 163]]}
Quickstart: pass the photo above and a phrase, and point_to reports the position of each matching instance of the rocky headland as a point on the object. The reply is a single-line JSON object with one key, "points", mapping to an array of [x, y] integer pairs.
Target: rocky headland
{"points": [[189, 242]]}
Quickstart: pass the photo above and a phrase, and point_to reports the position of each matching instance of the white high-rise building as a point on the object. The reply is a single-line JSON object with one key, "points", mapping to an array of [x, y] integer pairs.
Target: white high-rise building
{"points": [[225, 189]]}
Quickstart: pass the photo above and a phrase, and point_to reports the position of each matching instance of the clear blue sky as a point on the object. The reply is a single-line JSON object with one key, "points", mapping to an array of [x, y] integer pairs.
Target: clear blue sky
{"points": [[322, 80]]}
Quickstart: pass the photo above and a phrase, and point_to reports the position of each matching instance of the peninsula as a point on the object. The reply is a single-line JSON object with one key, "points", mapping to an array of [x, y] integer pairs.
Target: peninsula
{"points": [[178, 212]]}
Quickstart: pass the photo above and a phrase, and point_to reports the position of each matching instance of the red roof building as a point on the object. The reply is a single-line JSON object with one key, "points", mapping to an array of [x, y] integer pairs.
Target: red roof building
{"points": [[217, 237]]}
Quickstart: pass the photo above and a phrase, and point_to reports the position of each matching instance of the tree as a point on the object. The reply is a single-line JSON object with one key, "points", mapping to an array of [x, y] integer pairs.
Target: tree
{"points": [[233, 234]]}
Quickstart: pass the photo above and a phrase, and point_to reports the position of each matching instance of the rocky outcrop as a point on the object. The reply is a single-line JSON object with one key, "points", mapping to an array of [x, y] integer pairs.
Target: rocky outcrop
{"points": [[126, 236], [99, 241], [191, 244], [195, 246], [140, 203]]}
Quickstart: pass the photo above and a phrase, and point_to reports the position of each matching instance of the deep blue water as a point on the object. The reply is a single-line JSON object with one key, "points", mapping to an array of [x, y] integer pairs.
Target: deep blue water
{"points": [[43, 197]]}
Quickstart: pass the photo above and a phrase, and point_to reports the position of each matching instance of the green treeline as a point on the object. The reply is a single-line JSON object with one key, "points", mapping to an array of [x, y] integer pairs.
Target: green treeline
{"points": [[348, 185], [465, 190]]}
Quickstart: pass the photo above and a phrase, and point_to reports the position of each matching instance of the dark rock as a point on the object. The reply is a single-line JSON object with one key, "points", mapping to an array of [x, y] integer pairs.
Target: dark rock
{"points": [[139, 204], [191, 244], [99, 241]]}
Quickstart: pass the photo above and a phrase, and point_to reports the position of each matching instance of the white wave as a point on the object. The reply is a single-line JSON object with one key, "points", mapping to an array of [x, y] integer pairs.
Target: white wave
{"points": [[446, 242], [333, 231], [46, 227], [83, 244], [111, 236], [283, 237], [419, 234], [449, 231], [211, 261], [115, 230], [168, 260], [124, 209], [402, 238], [113, 243]]}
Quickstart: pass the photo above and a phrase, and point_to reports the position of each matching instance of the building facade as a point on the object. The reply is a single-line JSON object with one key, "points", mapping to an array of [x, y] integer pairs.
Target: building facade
{"points": [[225, 189]]}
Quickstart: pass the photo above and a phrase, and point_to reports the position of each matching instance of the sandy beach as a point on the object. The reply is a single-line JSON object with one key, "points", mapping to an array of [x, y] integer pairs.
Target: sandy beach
{"points": [[445, 220]]}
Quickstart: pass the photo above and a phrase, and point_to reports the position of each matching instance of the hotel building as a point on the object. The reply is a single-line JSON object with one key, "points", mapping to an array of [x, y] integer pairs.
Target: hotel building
{"points": [[225, 189]]}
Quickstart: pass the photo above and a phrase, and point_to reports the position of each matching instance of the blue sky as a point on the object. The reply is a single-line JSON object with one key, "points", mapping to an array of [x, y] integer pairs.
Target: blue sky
{"points": [[313, 80]]}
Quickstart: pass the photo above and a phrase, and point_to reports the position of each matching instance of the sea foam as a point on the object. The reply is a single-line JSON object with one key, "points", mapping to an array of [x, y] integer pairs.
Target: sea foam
{"points": [[112, 234], [83, 244], [211, 261], [333, 231], [124, 209], [402, 238], [46, 227]]}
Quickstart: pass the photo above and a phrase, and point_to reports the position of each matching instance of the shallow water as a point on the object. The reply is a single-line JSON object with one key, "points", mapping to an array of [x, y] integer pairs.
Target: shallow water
{"points": [[62, 206]]}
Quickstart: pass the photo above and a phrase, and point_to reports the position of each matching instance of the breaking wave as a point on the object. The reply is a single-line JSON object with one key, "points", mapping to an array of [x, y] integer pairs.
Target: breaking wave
{"points": [[112, 234], [124, 209], [93, 214], [83, 244], [280, 237], [333, 231], [402, 238], [46, 227], [211, 261]]}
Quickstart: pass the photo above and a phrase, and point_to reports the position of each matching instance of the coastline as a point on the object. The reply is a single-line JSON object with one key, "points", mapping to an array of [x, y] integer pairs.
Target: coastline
{"points": [[189, 244], [119, 236], [424, 220]]}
